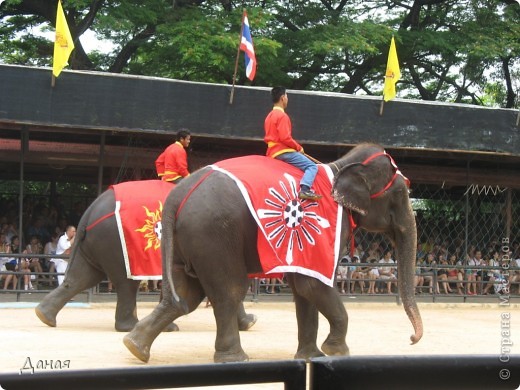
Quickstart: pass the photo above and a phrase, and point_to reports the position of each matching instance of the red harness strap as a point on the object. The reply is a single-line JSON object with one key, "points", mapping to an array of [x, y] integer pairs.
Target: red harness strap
{"points": [[353, 226], [99, 220], [191, 191], [397, 172]]}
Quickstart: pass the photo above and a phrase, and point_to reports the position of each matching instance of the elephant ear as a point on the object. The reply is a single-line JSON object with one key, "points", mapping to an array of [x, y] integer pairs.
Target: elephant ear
{"points": [[351, 189]]}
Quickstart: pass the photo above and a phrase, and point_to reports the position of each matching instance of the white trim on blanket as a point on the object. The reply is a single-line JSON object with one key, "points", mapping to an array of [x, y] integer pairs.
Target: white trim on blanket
{"points": [[125, 252], [288, 268]]}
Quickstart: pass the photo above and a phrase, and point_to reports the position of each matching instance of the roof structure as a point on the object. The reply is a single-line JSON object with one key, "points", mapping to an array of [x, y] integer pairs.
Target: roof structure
{"points": [[92, 124]]}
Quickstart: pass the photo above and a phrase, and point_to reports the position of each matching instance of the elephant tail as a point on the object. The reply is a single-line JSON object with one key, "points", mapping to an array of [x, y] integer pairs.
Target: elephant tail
{"points": [[167, 249]]}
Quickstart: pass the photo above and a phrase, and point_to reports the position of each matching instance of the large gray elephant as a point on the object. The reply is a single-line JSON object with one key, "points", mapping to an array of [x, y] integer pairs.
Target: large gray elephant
{"points": [[209, 246], [97, 253]]}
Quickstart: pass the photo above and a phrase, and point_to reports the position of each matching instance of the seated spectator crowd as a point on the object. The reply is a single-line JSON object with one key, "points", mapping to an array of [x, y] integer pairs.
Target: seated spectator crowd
{"points": [[439, 270], [480, 272], [43, 225]]}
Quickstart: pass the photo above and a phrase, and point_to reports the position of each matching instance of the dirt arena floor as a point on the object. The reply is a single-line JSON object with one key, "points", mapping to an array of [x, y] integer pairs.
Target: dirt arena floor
{"points": [[85, 335]]}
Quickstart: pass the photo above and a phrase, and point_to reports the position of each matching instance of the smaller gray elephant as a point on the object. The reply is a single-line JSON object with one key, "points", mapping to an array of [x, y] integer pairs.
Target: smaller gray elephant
{"points": [[97, 252]]}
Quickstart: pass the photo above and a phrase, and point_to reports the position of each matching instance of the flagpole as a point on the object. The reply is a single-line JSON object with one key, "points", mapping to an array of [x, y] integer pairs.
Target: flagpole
{"points": [[236, 60], [53, 81], [382, 105]]}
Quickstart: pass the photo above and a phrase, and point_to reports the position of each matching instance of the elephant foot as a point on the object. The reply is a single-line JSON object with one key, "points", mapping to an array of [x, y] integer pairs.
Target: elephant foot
{"points": [[140, 352], [172, 327], [308, 353], [227, 357], [247, 322], [125, 326], [45, 318], [335, 348]]}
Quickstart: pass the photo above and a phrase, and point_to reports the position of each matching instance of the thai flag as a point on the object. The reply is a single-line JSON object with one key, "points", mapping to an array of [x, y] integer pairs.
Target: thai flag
{"points": [[246, 45]]}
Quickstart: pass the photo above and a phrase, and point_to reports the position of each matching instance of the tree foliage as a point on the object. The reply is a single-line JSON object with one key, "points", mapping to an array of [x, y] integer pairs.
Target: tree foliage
{"points": [[456, 51]]}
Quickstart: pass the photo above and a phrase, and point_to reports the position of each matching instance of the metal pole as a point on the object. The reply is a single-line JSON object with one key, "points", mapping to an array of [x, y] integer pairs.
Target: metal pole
{"points": [[466, 227], [24, 146], [236, 60], [509, 217]]}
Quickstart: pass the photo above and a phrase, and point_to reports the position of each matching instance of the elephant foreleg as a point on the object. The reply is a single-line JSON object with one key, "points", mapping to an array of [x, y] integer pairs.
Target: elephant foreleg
{"points": [[331, 306], [307, 318], [312, 297], [245, 321]]}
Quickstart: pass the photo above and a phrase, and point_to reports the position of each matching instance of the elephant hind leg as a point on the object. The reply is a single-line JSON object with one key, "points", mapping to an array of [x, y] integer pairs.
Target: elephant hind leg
{"points": [[80, 276], [140, 339], [227, 344], [49, 320], [126, 310]]}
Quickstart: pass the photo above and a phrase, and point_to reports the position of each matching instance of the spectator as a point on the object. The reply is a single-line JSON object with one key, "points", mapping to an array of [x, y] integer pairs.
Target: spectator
{"points": [[359, 274], [514, 275], [419, 253], [50, 249], [471, 273], [388, 273], [34, 248], [5, 248], [455, 274], [343, 273], [442, 274], [37, 228], [419, 279], [9, 230], [429, 273], [492, 275], [373, 275], [64, 248], [275, 284], [374, 250], [23, 266], [12, 264]]}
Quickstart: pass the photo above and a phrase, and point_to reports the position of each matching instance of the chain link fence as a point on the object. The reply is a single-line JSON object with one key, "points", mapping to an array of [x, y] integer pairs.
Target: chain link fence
{"points": [[460, 222]]}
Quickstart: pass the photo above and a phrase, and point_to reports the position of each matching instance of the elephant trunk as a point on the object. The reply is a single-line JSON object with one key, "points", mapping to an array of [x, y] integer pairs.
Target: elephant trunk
{"points": [[406, 245]]}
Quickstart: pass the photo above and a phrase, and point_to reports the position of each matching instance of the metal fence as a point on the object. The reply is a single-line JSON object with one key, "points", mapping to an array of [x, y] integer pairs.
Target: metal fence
{"points": [[459, 222], [450, 221]]}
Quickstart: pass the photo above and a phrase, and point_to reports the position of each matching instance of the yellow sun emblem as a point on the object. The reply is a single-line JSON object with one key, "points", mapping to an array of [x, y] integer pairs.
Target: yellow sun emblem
{"points": [[152, 228]]}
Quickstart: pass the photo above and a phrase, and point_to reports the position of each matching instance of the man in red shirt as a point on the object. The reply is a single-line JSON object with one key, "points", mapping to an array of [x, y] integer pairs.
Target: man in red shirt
{"points": [[172, 164], [282, 146]]}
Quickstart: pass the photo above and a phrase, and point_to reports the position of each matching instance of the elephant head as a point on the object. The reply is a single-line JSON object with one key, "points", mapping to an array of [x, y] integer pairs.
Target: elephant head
{"points": [[370, 186]]}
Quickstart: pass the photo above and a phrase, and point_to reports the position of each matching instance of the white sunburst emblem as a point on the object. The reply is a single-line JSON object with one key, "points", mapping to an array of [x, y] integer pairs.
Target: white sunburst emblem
{"points": [[152, 228], [289, 220]]}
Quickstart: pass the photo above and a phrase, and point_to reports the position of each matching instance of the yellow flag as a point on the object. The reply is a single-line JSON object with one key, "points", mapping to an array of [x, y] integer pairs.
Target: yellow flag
{"points": [[63, 43], [393, 74]]}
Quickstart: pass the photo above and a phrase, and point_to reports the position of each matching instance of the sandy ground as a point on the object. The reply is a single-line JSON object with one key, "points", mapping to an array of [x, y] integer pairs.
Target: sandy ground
{"points": [[86, 338]]}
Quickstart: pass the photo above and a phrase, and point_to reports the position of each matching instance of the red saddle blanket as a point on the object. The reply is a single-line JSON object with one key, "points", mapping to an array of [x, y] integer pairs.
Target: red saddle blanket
{"points": [[294, 235], [138, 214]]}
